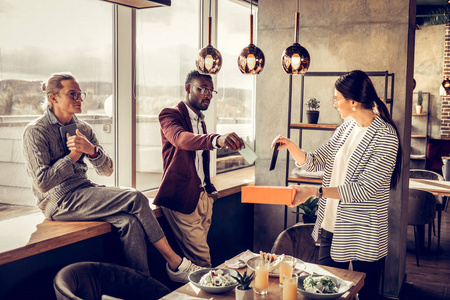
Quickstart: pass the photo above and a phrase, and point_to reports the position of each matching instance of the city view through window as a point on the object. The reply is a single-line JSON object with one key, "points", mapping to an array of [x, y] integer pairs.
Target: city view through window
{"points": [[41, 38]]}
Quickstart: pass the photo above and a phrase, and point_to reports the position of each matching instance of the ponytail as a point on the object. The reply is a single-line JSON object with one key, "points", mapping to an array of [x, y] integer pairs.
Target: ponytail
{"points": [[386, 116]]}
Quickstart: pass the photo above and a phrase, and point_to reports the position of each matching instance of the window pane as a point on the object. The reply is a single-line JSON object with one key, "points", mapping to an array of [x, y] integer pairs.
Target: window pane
{"points": [[167, 44], [39, 38], [234, 110]]}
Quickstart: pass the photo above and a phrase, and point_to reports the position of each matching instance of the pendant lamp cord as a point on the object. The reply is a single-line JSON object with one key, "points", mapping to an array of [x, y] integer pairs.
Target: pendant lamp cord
{"points": [[297, 21], [210, 8], [251, 23]]}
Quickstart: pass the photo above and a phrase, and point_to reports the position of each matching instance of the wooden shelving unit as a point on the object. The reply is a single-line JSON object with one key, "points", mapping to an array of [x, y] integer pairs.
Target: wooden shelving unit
{"points": [[422, 138]]}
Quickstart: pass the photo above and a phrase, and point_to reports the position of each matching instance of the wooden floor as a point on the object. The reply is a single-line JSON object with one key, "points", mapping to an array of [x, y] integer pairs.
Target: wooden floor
{"points": [[431, 280]]}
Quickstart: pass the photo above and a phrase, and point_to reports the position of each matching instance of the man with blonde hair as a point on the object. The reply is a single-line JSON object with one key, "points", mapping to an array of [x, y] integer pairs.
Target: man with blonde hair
{"points": [[64, 193]]}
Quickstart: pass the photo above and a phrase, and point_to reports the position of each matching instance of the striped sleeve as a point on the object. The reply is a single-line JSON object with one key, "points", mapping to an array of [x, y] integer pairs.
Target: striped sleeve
{"points": [[378, 170]]}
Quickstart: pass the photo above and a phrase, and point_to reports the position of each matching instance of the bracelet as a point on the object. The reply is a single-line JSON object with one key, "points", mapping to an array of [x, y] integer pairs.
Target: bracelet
{"points": [[95, 153]]}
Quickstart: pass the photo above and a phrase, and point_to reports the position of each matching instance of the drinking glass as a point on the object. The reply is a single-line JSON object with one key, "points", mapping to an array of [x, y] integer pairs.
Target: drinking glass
{"points": [[285, 269], [290, 287], [262, 278]]}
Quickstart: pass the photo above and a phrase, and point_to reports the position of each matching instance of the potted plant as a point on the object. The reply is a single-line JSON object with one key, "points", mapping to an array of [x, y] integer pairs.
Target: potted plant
{"points": [[312, 114], [309, 209], [244, 291], [419, 102]]}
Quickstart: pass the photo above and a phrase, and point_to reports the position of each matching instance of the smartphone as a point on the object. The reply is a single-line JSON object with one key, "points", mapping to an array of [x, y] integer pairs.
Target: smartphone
{"points": [[248, 154], [274, 157], [71, 130]]}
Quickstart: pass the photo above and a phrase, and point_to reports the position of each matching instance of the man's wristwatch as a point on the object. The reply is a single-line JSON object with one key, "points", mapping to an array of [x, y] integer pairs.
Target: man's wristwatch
{"points": [[319, 192], [217, 142]]}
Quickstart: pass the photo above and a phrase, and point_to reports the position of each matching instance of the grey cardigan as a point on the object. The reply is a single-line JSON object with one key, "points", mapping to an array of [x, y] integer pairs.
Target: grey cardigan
{"points": [[52, 172], [361, 229]]}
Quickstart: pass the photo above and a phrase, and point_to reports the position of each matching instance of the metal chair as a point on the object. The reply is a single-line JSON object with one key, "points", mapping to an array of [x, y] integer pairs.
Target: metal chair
{"points": [[440, 200], [421, 211], [297, 241], [446, 175], [94, 280]]}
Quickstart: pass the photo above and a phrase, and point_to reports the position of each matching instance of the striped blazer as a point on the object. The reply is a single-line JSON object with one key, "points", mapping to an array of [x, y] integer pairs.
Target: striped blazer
{"points": [[361, 229]]}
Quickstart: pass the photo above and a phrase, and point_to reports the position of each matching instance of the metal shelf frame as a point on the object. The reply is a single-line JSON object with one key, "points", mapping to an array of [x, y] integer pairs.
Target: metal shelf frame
{"points": [[425, 136]]}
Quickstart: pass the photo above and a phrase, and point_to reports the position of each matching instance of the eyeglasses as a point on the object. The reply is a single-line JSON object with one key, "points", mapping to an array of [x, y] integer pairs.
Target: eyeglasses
{"points": [[205, 91], [335, 100], [74, 95]]}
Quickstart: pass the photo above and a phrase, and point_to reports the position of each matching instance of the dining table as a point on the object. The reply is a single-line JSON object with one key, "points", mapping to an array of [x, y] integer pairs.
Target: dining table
{"points": [[189, 291], [436, 187]]}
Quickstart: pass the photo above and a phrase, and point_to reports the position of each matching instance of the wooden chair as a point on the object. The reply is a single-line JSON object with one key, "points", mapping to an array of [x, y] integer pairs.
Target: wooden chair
{"points": [[297, 241], [421, 211], [440, 200]]}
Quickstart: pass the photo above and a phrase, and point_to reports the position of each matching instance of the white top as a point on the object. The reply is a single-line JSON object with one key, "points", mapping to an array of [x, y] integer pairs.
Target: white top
{"points": [[338, 175], [197, 128]]}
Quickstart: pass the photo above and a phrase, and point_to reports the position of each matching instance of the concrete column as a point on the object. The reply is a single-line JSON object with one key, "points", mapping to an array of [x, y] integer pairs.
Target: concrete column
{"points": [[340, 35]]}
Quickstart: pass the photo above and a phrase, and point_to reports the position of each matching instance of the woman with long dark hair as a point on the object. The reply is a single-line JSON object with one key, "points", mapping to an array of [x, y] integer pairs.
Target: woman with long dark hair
{"points": [[361, 163]]}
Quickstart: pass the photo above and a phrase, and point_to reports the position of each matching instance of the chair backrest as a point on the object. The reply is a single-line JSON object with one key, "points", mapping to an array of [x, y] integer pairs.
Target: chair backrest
{"points": [[421, 207], [446, 170], [297, 242], [436, 148], [425, 174], [91, 280]]}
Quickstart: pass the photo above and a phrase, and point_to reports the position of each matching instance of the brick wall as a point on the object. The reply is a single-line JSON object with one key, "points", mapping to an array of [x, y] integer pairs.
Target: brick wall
{"points": [[445, 108]]}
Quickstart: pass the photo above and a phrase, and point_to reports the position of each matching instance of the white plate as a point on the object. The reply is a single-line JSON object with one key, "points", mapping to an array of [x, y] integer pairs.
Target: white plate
{"points": [[195, 277], [342, 286], [299, 265]]}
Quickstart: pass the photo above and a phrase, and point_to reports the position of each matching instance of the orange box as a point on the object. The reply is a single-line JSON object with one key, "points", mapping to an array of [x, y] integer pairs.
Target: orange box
{"points": [[268, 194]]}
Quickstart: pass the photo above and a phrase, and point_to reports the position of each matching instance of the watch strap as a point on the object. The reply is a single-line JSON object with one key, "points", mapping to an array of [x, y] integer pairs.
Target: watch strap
{"points": [[319, 192]]}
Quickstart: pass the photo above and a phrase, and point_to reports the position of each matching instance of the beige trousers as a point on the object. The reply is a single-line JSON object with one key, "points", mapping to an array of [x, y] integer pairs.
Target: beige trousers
{"points": [[191, 230]]}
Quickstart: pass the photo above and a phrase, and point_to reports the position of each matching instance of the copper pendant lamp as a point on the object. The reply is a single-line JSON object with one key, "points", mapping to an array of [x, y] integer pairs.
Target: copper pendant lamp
{"points": [[295, 59], [209, 59], [251, 60], [446, 86]]}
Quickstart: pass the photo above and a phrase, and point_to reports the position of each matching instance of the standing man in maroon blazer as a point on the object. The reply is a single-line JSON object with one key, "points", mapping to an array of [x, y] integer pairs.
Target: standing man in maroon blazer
{"points": [[186, 193]]}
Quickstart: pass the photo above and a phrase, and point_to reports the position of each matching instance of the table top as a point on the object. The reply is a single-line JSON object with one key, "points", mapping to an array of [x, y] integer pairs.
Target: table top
{"points": [[436, 187], [275, 292], [33, 234]]}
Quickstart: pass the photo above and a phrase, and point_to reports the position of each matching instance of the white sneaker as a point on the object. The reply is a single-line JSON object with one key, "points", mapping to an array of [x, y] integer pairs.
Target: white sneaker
{"points": [[184, 269]]}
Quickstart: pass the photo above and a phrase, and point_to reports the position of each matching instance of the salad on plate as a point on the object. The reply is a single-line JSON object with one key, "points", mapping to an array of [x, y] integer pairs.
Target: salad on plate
{"points": [[217, 278], [319, 285]]}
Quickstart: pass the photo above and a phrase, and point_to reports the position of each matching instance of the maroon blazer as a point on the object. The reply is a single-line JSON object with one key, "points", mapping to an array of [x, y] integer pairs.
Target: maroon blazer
{"points": [[180, 186]]}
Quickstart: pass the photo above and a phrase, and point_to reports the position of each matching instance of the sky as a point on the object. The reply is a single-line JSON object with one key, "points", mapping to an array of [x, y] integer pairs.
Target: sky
{"points": [[38, 38]]}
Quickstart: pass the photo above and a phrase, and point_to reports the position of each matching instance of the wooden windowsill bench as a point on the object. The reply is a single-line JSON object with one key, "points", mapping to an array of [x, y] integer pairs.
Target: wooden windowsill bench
{"points": [[31, 234]]}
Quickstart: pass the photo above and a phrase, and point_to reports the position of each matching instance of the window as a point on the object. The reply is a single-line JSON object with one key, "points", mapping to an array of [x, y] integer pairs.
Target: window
{"points": [[235, 107], [39, 38], [167, 44]]}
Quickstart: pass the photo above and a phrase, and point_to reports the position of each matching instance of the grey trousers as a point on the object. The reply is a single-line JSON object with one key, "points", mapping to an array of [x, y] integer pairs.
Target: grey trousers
{"points": [[127, 210]]}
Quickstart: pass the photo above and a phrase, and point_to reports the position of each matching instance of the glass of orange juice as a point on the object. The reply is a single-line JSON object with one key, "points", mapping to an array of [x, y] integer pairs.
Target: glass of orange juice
{"points": [[285, 269], [261, 284], [290, 287]]}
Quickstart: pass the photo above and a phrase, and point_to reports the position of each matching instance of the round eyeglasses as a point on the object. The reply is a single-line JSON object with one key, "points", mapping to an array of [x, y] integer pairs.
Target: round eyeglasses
{"points": [[74, 95], [335, 100], [206, 91]]}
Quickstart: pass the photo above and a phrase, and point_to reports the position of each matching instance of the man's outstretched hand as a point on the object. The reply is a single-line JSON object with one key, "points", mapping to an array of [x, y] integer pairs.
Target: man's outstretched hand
{"points": [[230, 140]]}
